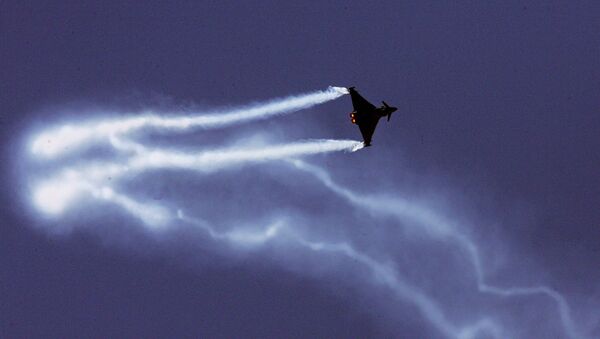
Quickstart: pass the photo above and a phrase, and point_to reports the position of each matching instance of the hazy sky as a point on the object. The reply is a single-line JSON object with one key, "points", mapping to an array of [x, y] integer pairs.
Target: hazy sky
{"points": [[474, 214]]}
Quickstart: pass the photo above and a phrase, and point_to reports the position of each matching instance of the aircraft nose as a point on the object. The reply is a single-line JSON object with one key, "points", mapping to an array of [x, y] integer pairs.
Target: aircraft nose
{"points": [[393, 109]]}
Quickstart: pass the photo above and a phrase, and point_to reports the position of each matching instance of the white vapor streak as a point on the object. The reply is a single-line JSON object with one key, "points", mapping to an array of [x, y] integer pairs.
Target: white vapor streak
{"points": [[388, 205], [387, 276], [238, 236], [383, 274], [69, 137], [563, 307], [212, 160], [437, 227], [152, 215], [54, 195]]}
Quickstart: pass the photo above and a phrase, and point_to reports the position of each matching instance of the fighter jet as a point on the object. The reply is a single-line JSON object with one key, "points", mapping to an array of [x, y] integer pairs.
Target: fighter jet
{"points": [[366, 115]]}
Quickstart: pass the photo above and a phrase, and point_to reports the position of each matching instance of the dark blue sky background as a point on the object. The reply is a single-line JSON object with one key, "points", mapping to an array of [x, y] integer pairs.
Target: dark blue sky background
{"points": [[498, 122]]}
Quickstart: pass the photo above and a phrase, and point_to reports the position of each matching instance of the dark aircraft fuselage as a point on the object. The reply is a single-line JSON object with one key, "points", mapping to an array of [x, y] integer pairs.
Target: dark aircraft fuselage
{"points": [[366, 115]]}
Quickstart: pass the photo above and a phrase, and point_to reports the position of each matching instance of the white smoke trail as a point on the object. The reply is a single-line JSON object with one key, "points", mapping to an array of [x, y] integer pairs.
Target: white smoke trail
{"points": [[437, 227], [154, 216], [213, 160], [68, 137], [563, 307], [62, 191], [147, 159], [383, 274], [54, 195]]}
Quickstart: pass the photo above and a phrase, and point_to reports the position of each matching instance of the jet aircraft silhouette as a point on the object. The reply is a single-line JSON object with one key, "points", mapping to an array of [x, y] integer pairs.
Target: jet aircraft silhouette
{"points": [[366, 115]]}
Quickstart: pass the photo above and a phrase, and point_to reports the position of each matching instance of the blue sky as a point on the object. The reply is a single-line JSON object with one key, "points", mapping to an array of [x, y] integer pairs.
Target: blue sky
{"points": [[474, 213]]}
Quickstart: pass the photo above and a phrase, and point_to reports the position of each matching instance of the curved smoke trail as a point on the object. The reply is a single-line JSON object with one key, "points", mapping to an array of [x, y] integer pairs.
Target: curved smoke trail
{"points": [[56, 194], [435, 225], [53, 195], [384, 274]]}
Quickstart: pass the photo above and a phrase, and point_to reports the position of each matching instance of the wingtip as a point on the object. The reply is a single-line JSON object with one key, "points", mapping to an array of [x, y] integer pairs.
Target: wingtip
{"points": [[358, 146]]}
